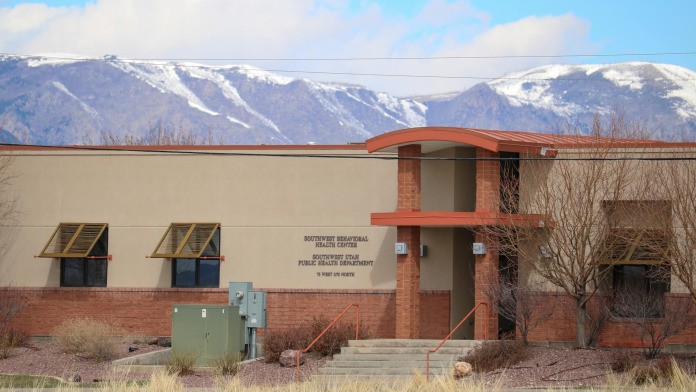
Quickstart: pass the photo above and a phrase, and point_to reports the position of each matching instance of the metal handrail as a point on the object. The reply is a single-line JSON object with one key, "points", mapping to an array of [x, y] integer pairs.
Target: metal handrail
{"points": [[485, 337], [357, 335]]}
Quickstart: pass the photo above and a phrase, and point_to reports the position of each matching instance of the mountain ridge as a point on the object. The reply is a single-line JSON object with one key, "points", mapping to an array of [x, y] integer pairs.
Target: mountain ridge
{"points": [[71, 100]]}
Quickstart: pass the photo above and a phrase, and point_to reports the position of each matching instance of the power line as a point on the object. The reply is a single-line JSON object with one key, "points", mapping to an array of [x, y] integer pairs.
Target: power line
{"points": [[419, 58], [382, 156], [346, 73]]}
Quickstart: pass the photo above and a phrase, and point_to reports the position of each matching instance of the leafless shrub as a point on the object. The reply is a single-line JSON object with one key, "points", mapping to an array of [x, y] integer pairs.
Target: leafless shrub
{"points": [[226, 365], [10, 306], [623, 360], [97, 339], [335, 337], [520, 303], [299, 337], [181, 362], [496, 354], [8, 342], [655, 318]]}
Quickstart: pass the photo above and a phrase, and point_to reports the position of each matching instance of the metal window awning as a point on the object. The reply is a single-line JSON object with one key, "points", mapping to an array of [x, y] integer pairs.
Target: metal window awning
{"points": [[634, 247], [185, 240], [73, 240]]}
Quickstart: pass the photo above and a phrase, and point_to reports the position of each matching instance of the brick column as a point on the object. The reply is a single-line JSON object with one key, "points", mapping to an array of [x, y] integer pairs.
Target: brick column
{"points": [[409, 178], [408, 284], [487, 181], [486, 273], [487, 199], [408, 265]]}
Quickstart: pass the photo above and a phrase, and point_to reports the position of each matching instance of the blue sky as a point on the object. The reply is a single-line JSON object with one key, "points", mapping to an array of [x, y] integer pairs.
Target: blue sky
{"points": [[243, 29]]}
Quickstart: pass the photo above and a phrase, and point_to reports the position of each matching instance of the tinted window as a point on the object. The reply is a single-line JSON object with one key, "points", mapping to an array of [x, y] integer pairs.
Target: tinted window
{"points": [[184, 273]]}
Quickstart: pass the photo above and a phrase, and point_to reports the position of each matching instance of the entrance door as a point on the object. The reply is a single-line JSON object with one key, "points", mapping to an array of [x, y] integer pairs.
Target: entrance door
{"points": [[462, 296]]}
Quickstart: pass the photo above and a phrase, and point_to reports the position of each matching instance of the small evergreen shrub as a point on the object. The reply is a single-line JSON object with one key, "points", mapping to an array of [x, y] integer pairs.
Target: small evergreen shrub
{"points": [[496, 354], [181, 362], [98, 339]]}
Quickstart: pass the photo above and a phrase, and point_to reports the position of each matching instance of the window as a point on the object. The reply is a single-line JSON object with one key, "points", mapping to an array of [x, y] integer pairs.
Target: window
{"points": [[636, 249], [509, 182], [195, 252], [83, 250], [640, 289]]}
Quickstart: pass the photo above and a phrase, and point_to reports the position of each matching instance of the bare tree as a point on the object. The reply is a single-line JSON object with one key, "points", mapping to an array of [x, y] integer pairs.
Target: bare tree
{"points": [[655, 317], [10, 306], [597, 316], [677, 180], [569, 250], [521, 303], [158, 134], [8, 201]]}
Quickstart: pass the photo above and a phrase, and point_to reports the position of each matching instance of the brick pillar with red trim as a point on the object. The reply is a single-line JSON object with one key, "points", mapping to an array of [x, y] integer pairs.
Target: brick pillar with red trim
{"points": [[487, 200], [408, 265]]}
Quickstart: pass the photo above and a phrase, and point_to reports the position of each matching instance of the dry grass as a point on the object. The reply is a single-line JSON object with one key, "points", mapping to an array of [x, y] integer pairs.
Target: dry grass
{"points": [[181, 362], [8, 342], [163, 382], [226, 365], [97, 339]]}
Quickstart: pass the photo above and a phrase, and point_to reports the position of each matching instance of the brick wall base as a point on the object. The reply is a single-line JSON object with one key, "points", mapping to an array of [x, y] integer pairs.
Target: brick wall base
{"points": [[561, 326], [147, 312]]}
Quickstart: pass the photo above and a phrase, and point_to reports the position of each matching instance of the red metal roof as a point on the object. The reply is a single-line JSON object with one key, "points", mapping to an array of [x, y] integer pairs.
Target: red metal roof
{"points": [[433, 138]]}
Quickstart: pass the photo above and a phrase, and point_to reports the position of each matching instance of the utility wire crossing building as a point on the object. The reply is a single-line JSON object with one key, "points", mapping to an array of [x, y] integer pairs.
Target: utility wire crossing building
{"points": [[397, 225]]}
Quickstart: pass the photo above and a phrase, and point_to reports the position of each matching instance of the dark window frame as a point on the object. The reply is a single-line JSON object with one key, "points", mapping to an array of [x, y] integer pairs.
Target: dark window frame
{"points": [[211, 255], [96, 263], [655, 281]]}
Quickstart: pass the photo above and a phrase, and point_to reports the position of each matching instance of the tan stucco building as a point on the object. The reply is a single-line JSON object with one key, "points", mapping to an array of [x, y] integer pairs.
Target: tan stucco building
{"points": [[124, 233]]}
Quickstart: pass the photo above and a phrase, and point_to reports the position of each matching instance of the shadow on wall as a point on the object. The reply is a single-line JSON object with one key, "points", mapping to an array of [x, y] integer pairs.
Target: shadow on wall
{"points": [[384, 268], [8, 267], [165, 275]]}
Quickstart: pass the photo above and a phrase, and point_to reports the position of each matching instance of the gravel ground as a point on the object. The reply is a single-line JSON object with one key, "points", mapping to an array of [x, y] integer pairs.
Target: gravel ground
{"points": [[46, 359], [545, 367]]}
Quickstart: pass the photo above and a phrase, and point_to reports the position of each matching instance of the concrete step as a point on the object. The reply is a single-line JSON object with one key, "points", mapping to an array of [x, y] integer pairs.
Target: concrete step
{"points": [[366, 380], [403, 350], [387, 364], [425, 343], [387, 360], [396, 371]]}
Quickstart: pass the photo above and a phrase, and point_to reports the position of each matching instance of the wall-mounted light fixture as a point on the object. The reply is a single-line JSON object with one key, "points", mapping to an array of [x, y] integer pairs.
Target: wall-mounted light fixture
{"points": [[401, 248], [479, 248]]}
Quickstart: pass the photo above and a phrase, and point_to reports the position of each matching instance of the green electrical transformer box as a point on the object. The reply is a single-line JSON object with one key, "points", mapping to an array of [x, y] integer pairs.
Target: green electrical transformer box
{"points": [[208, 330]]}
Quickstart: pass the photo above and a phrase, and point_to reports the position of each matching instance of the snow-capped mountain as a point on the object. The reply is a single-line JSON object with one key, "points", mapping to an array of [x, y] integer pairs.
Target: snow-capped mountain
{"points": [[71, 100], [660, 97]]}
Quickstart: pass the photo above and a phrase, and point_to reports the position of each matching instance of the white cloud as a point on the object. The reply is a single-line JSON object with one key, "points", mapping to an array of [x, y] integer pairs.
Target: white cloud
{"points": [[299, 28]]}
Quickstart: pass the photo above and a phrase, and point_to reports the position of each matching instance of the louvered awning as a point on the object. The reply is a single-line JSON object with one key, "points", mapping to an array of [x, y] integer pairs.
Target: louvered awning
{"points": [[634, 246], [185, 240], [73, 240]]}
